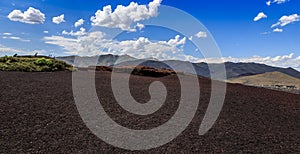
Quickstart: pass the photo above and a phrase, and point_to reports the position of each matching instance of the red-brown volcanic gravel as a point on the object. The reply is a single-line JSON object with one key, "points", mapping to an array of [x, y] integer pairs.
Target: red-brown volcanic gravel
{"points": [[39, 115]]}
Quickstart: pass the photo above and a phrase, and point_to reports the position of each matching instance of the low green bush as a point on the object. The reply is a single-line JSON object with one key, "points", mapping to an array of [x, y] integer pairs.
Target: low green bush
{"points": [[44, 62]]}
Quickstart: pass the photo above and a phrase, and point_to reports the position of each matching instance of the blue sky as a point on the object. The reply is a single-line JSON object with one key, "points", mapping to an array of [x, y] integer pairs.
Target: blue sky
{"points": [[230, 22]]}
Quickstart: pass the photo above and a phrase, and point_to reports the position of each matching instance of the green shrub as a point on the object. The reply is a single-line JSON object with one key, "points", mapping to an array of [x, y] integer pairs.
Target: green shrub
{"points": [[9, 59], [40, 62]]}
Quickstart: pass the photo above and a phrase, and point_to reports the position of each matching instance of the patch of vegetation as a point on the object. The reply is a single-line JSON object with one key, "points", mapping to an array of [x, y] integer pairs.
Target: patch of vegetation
{"points": [[33, 64], [138, 70]]}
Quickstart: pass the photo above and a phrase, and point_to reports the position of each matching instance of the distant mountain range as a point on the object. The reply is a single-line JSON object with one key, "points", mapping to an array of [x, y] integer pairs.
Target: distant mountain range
{"points": [[233, 70]]}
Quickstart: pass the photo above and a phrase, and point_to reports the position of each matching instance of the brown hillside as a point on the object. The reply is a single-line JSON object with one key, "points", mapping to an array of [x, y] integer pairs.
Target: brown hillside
{"points": [[266, 79]]}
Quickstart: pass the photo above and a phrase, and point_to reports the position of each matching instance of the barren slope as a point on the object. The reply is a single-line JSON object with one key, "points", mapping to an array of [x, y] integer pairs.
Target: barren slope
{"points": [[38, 115], [270, 78]]}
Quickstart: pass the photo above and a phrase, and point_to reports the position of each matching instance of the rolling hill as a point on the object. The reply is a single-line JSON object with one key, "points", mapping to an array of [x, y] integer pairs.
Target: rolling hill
{"points": [[268, 79], [33, 64]]}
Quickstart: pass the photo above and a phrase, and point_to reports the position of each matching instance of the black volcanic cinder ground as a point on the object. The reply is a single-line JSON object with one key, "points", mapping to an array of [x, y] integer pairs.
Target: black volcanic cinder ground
{"points": [[39, 115]]}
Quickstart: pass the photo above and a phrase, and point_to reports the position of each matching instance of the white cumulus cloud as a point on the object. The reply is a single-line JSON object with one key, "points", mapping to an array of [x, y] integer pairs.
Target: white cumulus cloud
{"points": [[59, 19], [201, 34], [280, 1], [259, 16], [285, 20], [278, 61], [140, 26], [95, 43], [81, 32], [68, 44], [278, 30], [7, 34], [276, 2], [79, 23], [30, 16], [124, 16]]}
